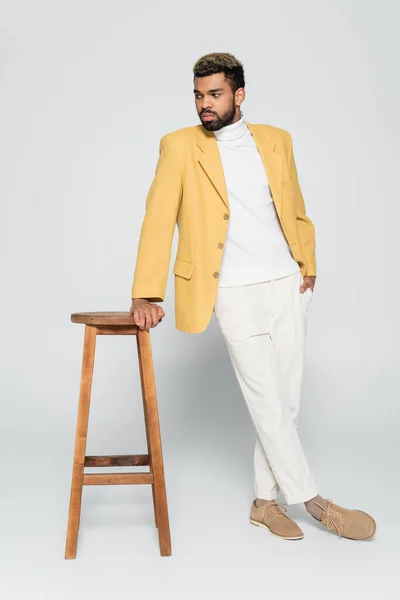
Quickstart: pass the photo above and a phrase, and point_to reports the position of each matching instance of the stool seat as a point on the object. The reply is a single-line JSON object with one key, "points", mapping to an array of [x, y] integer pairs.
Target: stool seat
{"points": [[117, 323], [103, 318]]}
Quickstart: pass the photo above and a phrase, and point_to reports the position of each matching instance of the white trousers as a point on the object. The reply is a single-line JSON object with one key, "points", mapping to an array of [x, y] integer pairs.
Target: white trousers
{"points": [[264, 328]]}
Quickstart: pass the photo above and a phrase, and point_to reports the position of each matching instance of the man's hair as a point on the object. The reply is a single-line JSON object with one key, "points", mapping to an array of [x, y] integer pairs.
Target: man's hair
{"points": [[221, 62]]}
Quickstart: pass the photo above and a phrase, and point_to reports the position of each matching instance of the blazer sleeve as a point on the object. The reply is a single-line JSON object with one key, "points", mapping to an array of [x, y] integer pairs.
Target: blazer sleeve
{"points": [[157, 231], [305, 226]]}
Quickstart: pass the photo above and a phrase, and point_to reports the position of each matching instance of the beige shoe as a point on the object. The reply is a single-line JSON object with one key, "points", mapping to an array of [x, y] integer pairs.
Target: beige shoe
{"points": [[271, 515], [348, 523]]}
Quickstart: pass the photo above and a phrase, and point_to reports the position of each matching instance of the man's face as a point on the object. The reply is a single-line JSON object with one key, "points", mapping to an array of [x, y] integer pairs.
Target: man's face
{"points": [[215, 101]]}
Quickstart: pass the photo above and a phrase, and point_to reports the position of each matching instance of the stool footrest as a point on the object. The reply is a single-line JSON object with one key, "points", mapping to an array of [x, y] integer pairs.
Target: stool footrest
{"points": [[117, 460], [117, 478]]}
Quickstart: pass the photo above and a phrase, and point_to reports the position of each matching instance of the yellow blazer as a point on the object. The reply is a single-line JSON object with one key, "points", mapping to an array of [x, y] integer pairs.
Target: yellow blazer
{"points": [[189, 190]]}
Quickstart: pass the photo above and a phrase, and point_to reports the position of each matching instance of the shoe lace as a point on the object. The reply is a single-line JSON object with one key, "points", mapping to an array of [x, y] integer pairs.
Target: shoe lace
{"points": [[273, 508], [333, 518]]}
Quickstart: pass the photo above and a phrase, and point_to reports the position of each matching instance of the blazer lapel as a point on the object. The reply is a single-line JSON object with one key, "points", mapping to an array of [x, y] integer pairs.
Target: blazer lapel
{"points": [[210, 160], [272, 163]]}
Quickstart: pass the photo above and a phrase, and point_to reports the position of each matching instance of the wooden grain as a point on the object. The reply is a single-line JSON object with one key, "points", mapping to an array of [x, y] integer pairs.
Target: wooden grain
{"points": [[122, 460], [74, 516], [154, 439], [117, 478], [104, 318]]}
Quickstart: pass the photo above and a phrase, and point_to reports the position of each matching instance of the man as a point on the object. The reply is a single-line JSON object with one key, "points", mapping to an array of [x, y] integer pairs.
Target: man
{"points": [[246, 252]]}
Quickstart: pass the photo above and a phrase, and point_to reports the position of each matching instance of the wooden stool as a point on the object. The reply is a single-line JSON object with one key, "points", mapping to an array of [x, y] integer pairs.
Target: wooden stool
{"points": [[117, 323]]}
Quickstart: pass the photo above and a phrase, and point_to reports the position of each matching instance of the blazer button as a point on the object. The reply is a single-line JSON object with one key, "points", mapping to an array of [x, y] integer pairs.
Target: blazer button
{"points": [[226, 216], [216, 274], [220, 245]]}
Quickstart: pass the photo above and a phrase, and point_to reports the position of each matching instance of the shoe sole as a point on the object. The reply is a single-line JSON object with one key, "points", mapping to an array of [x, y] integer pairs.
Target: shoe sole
{"points": [[264, 526], [346, 536]]}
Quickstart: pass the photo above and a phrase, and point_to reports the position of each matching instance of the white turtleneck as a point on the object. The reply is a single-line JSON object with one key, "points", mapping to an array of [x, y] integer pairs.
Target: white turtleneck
{"points": [[255, 249]]}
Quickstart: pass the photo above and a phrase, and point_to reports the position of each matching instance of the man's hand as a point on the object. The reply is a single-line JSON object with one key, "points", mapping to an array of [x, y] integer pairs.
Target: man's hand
{"points": [[308, 282], [146, 314]]}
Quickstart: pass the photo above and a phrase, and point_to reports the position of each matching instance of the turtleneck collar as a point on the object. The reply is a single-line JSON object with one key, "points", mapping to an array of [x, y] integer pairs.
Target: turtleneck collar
{"points": [[232, 131]]}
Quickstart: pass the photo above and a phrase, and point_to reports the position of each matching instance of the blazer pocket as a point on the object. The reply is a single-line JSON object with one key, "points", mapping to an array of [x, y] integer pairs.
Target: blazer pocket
{"points": [[183, 268]]}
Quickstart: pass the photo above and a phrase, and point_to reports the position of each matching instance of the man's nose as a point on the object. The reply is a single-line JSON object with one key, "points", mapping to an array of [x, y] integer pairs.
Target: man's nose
{"points": [[206, 104]]}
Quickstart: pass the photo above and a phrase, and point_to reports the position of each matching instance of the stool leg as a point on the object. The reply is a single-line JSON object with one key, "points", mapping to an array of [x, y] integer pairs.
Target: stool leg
{"points": [[80, 441], [154, 439], [146, 421]]}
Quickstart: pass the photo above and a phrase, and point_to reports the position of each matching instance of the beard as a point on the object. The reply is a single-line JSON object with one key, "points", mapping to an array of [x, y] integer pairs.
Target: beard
{"points": [[220, 121]]}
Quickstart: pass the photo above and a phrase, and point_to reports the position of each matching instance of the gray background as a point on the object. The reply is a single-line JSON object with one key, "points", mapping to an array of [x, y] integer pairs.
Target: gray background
{"points": [[87, 90]]}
